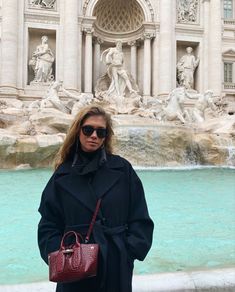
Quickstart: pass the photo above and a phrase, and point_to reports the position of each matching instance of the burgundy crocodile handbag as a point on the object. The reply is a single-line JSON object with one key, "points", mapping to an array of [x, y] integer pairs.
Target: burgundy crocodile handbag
{"points": [[75, 262]]}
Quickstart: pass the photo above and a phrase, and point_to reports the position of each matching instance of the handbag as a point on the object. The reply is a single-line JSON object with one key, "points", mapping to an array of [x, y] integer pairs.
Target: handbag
{"points": [[77, 261]]}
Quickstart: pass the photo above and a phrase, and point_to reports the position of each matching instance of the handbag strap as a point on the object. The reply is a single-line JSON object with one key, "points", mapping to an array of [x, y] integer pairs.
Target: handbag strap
{"points": [[87, 238]]}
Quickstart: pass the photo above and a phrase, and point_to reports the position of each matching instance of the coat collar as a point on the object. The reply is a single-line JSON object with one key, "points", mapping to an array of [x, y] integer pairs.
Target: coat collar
{"points": [[79, 186]]}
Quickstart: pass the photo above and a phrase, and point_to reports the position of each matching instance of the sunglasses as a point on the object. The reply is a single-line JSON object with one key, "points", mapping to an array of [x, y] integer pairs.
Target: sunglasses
{"points": [[88, 131]]}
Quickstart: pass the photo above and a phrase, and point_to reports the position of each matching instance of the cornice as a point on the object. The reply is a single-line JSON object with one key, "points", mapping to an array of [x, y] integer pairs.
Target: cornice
{"points": [[124, 37], [186, 28], [42, 18]]}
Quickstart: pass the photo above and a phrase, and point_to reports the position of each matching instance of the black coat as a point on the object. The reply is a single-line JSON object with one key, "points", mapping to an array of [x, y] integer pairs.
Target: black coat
{"points": [[123, 228]]}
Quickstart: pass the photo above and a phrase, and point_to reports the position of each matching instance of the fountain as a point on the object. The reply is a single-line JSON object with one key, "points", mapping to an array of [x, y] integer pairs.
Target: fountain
{"points": [[148, 133]]}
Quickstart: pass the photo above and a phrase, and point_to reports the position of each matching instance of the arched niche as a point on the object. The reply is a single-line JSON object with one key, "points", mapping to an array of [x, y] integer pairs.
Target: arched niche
{"points": [[89, 5]]}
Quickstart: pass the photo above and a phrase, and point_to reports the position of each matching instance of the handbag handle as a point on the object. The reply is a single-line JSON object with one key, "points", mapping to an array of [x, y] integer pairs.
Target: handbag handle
{"points": [[87, 238], [69, 233]]}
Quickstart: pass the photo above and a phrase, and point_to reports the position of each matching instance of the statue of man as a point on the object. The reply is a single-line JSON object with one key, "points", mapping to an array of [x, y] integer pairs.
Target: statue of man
{"points": [[116, 72], [185, 69], [42, 61]]}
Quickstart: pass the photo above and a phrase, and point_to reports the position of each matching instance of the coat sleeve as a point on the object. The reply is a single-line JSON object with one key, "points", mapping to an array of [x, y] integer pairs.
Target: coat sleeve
{"points": [[140, 225], [51, 224]]}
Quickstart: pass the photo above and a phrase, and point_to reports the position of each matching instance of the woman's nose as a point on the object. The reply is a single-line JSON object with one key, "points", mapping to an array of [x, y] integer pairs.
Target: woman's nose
{"points": [[94, 134]]}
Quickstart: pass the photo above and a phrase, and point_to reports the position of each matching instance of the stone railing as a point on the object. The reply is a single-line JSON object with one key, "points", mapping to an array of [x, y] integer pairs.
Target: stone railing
{"points": [[229, 21], [229, 85]]}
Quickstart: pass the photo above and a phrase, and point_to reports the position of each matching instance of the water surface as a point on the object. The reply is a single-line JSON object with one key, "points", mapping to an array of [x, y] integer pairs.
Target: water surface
{"points": [[193, 211]]}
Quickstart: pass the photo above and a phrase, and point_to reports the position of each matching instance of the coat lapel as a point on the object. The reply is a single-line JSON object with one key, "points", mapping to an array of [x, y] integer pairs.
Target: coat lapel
{"points": [[78, 185], [104, 180]]}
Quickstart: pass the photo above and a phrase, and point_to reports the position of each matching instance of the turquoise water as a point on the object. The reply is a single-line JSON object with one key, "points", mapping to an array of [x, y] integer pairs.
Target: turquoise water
{"points": [[193, 211]]}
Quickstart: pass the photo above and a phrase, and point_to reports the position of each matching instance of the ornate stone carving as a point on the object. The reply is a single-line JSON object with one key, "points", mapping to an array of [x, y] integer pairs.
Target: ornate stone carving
{"points": [[148, 3], [44, 4], [42, 61], [148, 35], [204, 101], [113, 85], [51, 99], [175, 106], [118, 75], [88, 30], [187, 11], [185, 69], [118, 15], [132, 43]]}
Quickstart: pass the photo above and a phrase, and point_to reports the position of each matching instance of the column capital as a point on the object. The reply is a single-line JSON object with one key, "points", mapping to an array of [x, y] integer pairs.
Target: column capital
{"points": [[88, 30], [148, 35], [98, 40], [132, 43]]}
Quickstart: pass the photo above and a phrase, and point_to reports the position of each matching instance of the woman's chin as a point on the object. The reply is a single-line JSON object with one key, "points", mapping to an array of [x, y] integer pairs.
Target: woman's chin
{"points": [[91, 148]]}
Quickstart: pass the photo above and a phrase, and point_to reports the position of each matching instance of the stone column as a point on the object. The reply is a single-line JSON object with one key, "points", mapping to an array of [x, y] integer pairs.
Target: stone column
{"points": [[88, 60], [215, 47], [133, 59], [206, 18], [20, 53], [165, 47], [155, 65], [80, 46], [147, 64], [96, 74], [9, 44], [70, 44]]}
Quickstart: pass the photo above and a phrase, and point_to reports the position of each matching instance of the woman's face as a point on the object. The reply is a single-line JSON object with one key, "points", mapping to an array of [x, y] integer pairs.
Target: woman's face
{"points": [[93, 142]]}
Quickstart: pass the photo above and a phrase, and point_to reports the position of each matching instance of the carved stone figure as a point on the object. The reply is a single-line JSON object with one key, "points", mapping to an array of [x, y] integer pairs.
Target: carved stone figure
{"points": [[43, 3], [118, 75], [203, 102], [42, 61], [185, 69], [175, 107], [187, 11], [78, 100], [51, 99]]}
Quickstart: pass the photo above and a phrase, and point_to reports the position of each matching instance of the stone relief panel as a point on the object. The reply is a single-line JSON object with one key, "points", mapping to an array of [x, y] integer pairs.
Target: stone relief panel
{"points": [[42, 4], [188, 11]]}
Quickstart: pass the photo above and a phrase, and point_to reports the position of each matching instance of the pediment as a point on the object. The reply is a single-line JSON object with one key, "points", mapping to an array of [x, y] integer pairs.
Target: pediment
{"points": [[229, 52]]}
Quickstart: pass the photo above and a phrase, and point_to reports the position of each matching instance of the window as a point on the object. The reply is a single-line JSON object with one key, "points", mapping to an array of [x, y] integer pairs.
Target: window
{"points": [[228, 9], [228, 72]]}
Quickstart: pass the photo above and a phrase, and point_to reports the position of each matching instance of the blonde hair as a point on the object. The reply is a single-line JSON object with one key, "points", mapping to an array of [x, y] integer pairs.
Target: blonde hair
{"points": [[74, 130]]}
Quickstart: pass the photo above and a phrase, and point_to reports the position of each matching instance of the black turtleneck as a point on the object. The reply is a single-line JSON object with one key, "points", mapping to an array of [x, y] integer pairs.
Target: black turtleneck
{"points": [[88, 155]]}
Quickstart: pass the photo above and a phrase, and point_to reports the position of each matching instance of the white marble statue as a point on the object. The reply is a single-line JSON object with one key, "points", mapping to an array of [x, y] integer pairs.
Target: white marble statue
{"points": [[78, 100], [175, 106], [119, 78], [187, 11], [185, 69], [42, 61], [203, 102], [43, 3], [51, 99]]}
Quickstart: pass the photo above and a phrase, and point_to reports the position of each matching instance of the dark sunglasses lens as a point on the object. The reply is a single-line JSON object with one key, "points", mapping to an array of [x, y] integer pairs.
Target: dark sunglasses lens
{"points": [[101, 133], [87, 130]]}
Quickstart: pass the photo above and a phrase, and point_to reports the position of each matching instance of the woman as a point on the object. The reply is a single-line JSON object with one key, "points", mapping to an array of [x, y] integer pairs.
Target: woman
{"points": [[87, 170]]}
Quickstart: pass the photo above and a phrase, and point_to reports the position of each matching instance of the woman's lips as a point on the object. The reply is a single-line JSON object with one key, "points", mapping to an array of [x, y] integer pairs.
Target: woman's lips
{"points": [[92, 143]]}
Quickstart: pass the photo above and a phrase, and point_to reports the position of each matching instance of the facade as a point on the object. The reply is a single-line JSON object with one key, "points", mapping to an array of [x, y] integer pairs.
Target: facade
{"points": [[154, 33]]}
